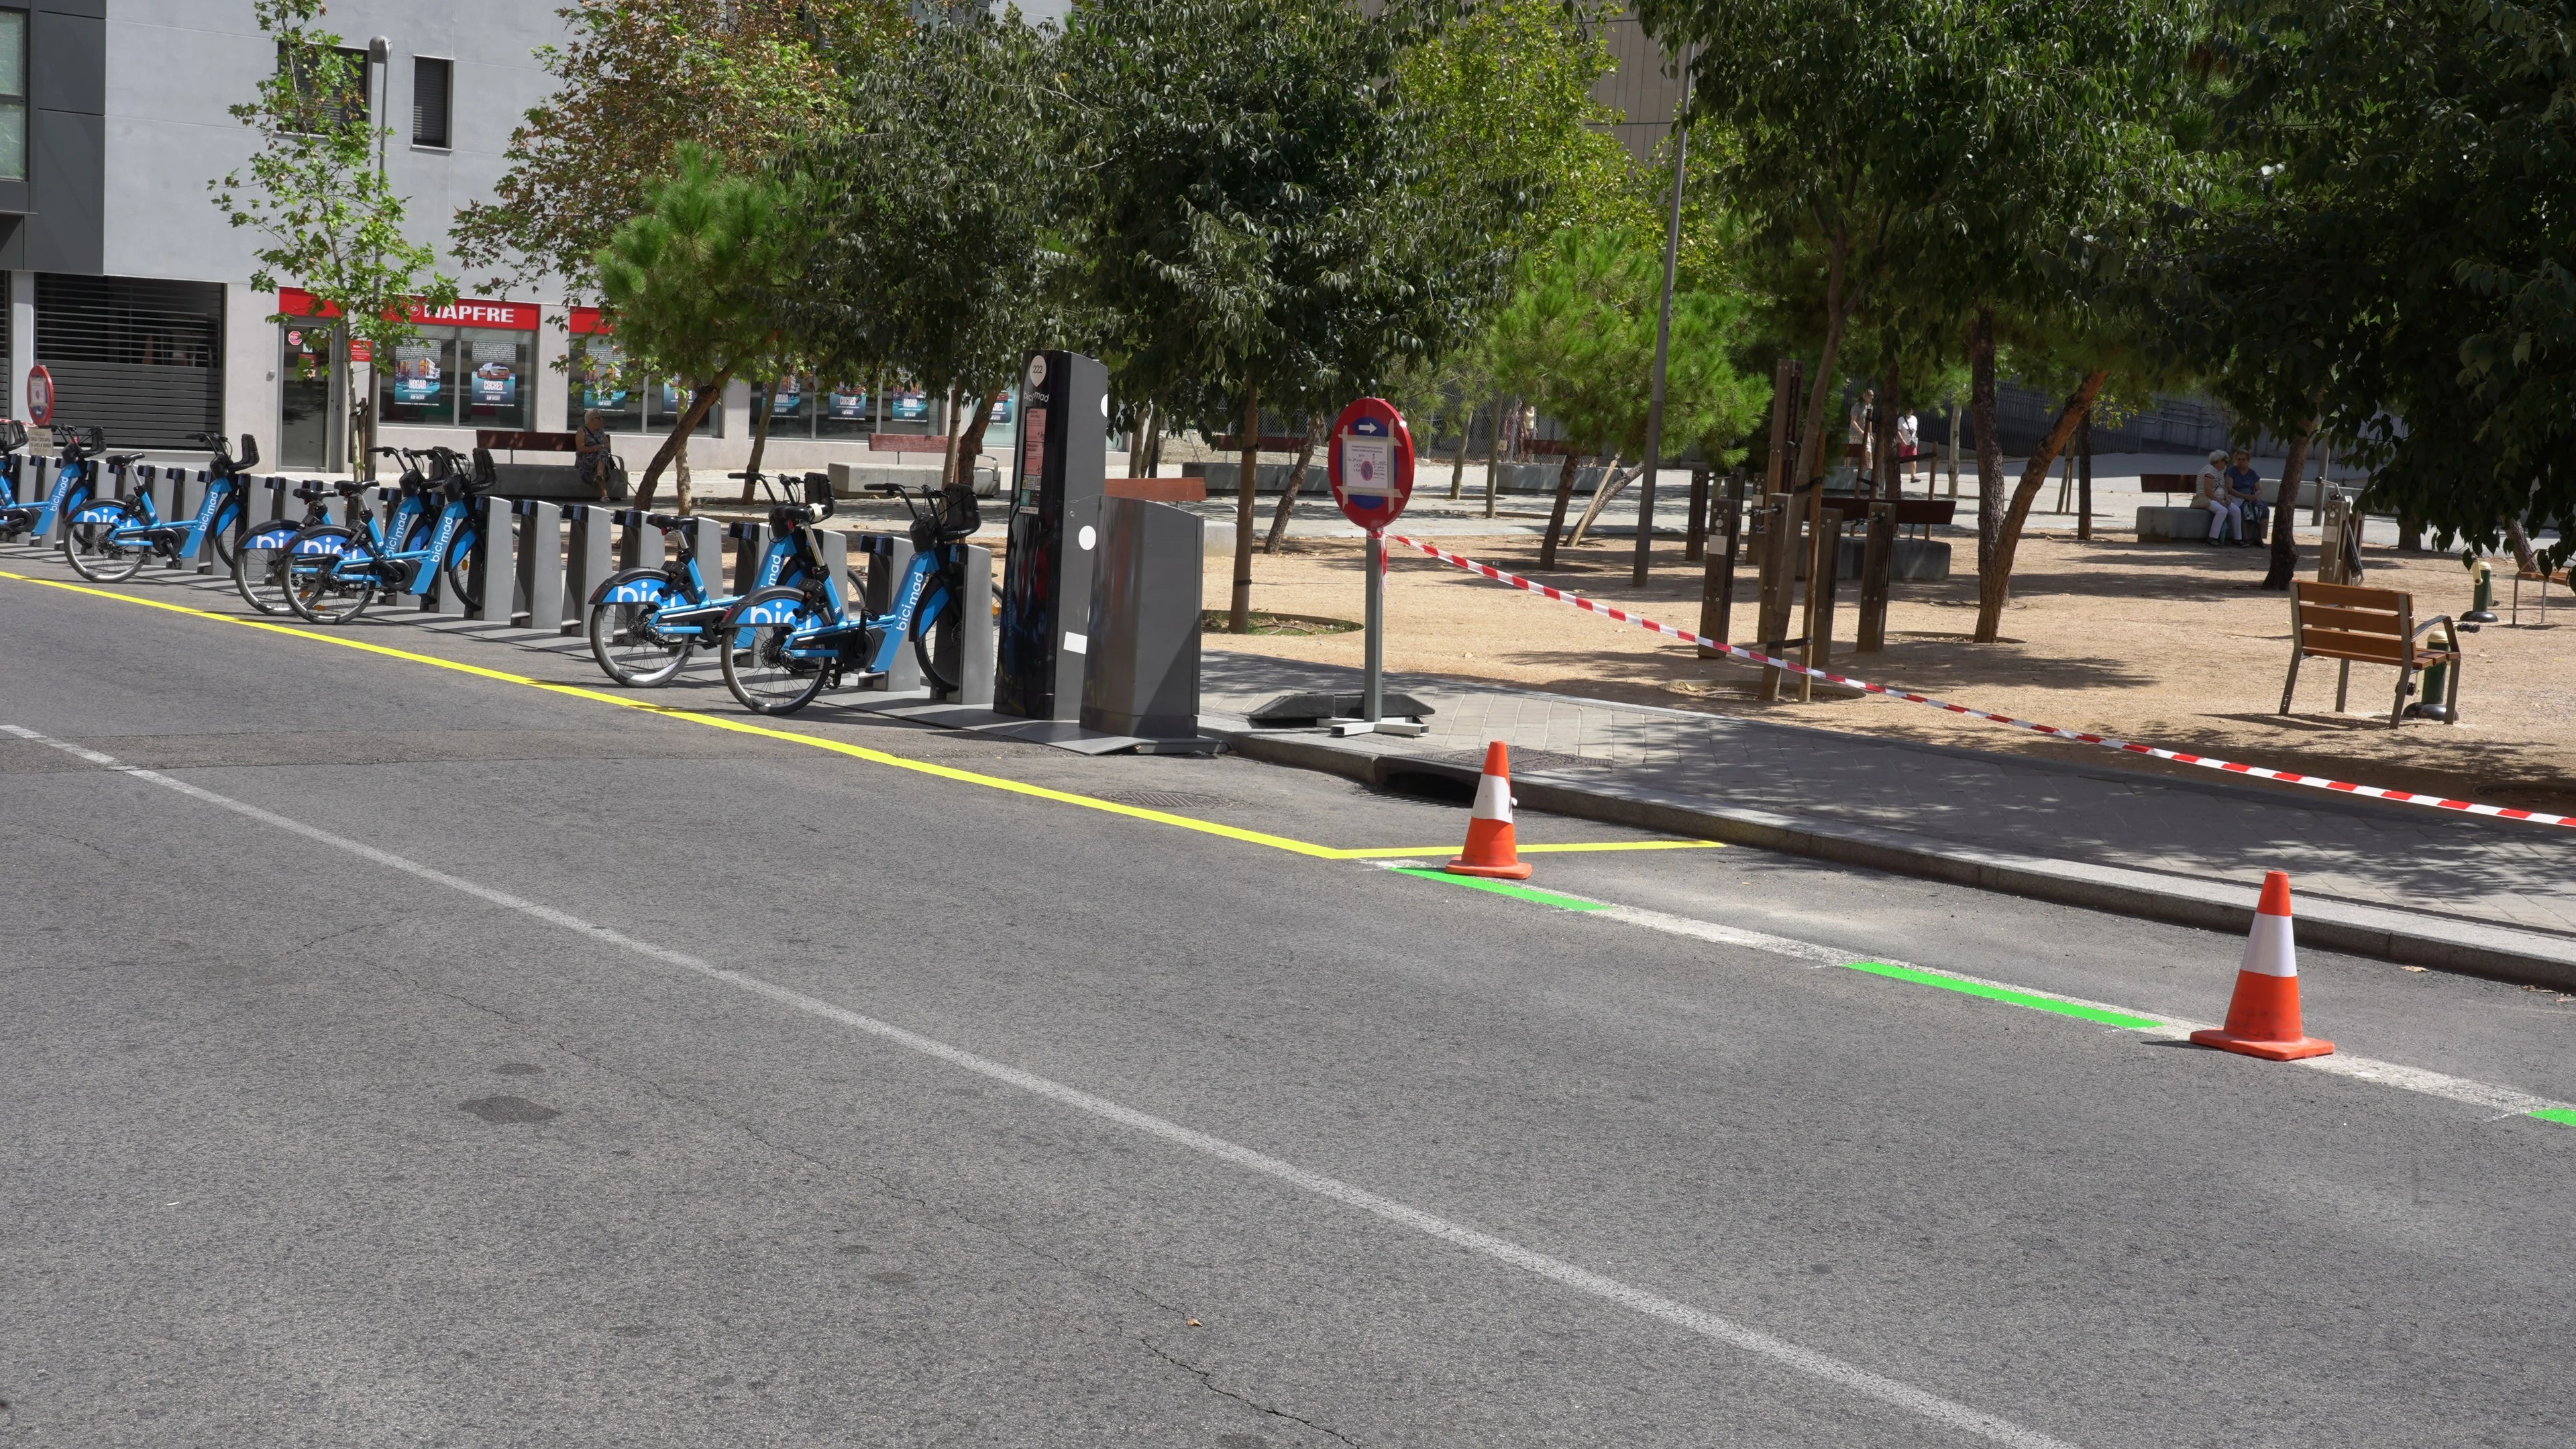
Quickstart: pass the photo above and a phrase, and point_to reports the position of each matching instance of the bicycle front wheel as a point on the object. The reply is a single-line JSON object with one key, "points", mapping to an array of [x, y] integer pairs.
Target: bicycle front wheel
{"points": [[259, 572], [935, 637], [224, 535], [630, 650], [754, 657], [316, 587], [90, 545], [464, 575]]}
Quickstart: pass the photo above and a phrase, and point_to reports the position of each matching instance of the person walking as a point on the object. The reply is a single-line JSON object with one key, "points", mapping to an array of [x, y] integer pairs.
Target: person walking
{"points": [[1909, 436], [1864, 421]]}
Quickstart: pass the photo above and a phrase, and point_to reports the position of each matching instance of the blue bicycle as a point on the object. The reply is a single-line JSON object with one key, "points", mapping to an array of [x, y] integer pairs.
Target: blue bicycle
{"points": [[785, 645], [108, 540], [13, 436], [645, 622], [334, 571], [75, 483]]}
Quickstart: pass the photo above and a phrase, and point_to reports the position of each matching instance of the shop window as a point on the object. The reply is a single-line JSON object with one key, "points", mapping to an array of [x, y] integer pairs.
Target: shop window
{"points": [[665, 400], [474, 377], [598, 383], [791, 412], [844, 411], [431, 82], [13, 95], [420, 388], [496, 382]]}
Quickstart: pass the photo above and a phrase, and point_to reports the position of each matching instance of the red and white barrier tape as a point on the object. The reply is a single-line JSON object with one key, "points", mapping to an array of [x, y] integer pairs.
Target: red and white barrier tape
{"points": [[2287, 777]]}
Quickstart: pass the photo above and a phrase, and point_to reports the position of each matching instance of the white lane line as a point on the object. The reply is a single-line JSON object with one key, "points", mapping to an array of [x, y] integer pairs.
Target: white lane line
{"points": [[1653, 1305], [2508, 1101]]}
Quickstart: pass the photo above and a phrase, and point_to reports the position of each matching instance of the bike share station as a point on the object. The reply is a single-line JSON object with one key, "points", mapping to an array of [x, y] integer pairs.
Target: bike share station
{"points": [[1097, 647]]}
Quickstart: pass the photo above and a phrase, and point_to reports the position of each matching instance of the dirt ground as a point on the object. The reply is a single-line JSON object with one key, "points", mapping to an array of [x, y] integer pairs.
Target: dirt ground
{"points": [[2165, 644]]}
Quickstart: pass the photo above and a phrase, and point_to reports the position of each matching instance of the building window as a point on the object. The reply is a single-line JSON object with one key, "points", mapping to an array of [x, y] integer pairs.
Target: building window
{"points": [[430, 82], [627, 401], [474, 377], [13, 95], [316, 80]]}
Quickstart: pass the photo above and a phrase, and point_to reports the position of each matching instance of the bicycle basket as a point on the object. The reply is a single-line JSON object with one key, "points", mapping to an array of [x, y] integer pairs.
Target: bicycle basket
{"points": [[959, 516]]}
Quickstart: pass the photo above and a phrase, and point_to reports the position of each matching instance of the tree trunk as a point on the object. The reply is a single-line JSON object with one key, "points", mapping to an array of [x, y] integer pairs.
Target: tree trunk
{"points": [[1612, 481], [1891, 406], [2284, 559], [1315, 426], [956, 440], [759, 441], [1494, 457], [1556, 517], [2084, 480], [970, 443], [1458, 460], [1140, 451], [695, 413], [1240, 618], [1994, 584], [2525, 557], [1811, 442], [1981, 421]]}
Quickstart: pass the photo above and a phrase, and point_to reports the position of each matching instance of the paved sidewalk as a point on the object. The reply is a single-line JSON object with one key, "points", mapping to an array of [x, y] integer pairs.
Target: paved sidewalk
{"points": [[1852, 796]]}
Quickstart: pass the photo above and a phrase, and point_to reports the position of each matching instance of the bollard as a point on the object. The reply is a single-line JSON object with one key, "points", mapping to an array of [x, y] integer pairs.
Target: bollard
{"points": [[835, 549], [539, 570], [706, 538], [888, 554], [281, 491], [495, 568], [1877, 561], [639, 544], [586, 561], [751, 540], [1695, 539], [973, 643]]}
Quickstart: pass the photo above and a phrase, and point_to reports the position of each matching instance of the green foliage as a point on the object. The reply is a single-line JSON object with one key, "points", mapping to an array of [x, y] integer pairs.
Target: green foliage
{"points": [[934, 195], [1577, 339], [2391, 250], [739, 78], [1504, 97], [1255, 207], [692, 282], [333, 225]]}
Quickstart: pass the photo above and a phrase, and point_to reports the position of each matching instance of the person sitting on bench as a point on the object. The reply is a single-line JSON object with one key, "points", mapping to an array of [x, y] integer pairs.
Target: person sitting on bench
{"points": [[2226, 523], [2245, 486]]}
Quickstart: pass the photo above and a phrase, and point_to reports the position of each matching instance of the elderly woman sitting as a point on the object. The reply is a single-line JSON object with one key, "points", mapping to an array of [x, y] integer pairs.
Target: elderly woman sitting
{"points": [[2226, 517]]}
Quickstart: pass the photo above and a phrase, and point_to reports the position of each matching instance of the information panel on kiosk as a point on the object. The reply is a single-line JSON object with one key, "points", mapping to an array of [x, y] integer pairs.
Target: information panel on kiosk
{"points": [[1371, 464]]}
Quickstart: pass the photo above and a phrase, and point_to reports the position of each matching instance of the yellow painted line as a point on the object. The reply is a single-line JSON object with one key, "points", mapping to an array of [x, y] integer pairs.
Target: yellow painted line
{"points": [[1582, 847], [857, 752]]}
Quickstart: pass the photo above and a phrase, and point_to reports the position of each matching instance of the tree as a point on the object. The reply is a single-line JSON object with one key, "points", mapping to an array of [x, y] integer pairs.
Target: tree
{"points": [[2389, 254], [1578, 340], [934, 207], [738, 78], [1255, 222], [334, 226], [692, 285]]}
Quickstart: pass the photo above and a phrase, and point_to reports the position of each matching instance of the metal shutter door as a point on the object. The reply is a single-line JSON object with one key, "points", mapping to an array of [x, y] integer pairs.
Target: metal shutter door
{"points": [[142, 360]]}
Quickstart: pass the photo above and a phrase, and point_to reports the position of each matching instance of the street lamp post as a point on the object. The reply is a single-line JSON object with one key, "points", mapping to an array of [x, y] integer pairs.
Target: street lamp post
{"points": [[1663, 340]]}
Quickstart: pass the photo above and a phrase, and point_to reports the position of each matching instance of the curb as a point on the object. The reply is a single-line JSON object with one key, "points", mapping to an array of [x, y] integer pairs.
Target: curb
{"points": [[2473, 948]]}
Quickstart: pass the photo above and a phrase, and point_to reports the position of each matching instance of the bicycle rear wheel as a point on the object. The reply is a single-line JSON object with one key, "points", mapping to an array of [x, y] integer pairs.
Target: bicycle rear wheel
{"points": [[90, 545], [315, 584], [464, 573], [259, 573], [757, 667]]}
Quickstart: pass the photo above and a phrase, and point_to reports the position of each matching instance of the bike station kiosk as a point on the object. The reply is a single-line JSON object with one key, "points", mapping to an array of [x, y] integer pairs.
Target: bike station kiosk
{"points": [[1061, 465]]}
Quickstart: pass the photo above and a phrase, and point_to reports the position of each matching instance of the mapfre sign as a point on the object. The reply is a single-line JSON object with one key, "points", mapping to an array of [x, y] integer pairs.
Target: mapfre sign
{"points": [[515, 316]]}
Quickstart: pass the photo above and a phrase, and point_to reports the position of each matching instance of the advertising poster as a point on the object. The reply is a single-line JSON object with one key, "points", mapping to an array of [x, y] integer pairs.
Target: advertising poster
{"points": [[416, 379], [496, 374], [911, 407], [1001, 409], [788, 400], [847, 405]]}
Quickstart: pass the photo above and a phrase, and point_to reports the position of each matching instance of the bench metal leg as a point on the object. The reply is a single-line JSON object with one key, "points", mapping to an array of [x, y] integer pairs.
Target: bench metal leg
{"points": [[2397, 711], [2343, 683], [2292, 683]]}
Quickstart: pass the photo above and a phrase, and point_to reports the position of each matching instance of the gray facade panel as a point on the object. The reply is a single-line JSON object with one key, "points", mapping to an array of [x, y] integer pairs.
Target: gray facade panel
{"points": [[65, 168], [70, 53]]}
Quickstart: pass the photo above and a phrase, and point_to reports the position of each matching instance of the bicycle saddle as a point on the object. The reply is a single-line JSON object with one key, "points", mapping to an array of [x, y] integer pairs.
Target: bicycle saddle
{"points": [[663, 521], [350, 489], [311, 492], [125, 460]]}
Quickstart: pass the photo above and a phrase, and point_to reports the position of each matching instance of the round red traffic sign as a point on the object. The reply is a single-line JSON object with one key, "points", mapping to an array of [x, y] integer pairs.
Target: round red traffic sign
{"points": [[40, 395], [1371, 463]]}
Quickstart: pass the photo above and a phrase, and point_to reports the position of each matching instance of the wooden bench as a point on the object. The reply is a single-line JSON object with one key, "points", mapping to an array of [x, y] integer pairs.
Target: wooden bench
{"points": [[907, 443], [2373, 626], [2544, 579], [524, 442], [2169, 483], [1157, 490]]}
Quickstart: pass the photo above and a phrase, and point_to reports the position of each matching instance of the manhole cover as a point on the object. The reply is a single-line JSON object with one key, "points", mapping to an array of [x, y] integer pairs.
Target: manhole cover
{"points": [[1532, 760], [1166, 799]]}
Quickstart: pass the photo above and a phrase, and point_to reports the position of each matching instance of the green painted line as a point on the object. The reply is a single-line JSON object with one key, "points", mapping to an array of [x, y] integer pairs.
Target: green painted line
{"points": [[2561, 1115], [2008, 995], [1504, 888]]}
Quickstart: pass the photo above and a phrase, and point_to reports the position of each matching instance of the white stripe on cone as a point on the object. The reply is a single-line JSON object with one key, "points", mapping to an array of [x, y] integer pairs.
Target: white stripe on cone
{"points": [[1493, 798], [2268, 947]]}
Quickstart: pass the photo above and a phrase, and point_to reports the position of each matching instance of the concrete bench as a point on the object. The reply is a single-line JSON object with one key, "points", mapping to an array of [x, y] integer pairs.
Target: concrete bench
{"points": [[2173, 525]]}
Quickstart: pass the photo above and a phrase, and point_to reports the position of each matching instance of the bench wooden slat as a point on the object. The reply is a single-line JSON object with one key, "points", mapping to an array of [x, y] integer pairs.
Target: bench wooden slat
{"points": [[2358, 621], [2334, 644], [2168, 483], [2353, 596]]}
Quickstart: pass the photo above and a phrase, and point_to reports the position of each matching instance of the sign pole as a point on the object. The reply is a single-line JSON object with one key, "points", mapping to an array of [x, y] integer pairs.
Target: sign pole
{"points": [[1373, 696], [1370, 465]]}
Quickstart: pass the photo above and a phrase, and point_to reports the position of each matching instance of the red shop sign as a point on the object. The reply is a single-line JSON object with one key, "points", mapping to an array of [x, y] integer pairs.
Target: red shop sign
{"points": [[463, 312]]}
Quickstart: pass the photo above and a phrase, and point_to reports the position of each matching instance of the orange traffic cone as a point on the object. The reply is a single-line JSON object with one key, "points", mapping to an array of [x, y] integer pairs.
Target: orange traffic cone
{"points": [[2263, 1016], [1490, 851]]}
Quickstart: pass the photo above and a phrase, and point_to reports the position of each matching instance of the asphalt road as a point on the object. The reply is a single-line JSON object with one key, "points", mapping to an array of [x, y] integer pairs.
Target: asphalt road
{"points": [[413, 1056]]}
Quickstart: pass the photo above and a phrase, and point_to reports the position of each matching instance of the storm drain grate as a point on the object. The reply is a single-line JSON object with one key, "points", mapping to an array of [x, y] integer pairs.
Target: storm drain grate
{"points": [[1166, 799], [1528, 760]]}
